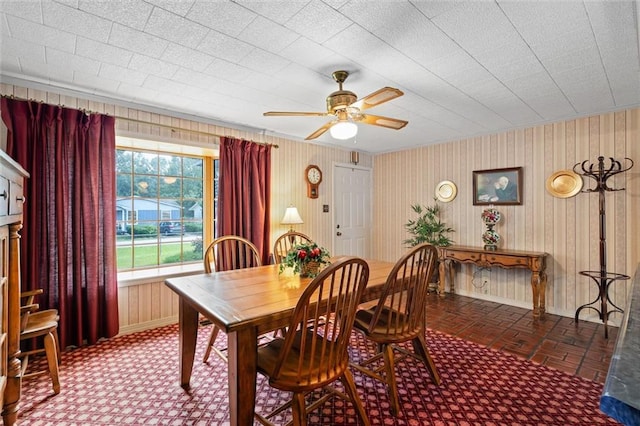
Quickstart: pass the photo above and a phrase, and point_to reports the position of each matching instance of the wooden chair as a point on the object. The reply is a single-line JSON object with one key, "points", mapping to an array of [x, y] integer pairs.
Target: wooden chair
{"points": [[398, 317], [286, 242], [313, 354], [225, 254], [230, 252], [35, 324], [28, 300]]}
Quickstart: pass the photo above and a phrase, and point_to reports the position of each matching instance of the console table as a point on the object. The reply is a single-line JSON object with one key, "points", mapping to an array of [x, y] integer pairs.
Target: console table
{"points": [[533, 261]]}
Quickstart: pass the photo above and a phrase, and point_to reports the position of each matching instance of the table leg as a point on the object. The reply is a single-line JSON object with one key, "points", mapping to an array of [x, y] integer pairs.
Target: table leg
{"points": [[442, 269], [243, 358], [446, 273], [538, 287], [188, 323], [543, 290], [452, 277]]}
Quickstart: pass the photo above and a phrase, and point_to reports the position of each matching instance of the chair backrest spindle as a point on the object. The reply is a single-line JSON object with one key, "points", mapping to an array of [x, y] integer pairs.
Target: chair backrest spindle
{"points": [[286, 242], [230, 252]]}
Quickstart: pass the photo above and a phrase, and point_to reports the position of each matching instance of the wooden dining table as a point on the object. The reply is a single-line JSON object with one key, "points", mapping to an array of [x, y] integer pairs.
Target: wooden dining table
{"points": [[244, 303]]}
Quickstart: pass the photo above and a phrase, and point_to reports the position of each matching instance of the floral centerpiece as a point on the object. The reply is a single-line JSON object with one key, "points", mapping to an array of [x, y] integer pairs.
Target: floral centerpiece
{"points": [[305, 259]]}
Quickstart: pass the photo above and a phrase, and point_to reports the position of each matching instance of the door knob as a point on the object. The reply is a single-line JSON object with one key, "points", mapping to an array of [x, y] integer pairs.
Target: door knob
{"points": [[338, 233]]}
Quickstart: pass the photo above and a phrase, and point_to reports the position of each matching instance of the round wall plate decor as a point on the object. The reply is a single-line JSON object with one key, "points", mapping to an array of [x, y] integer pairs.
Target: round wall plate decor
{"points": [[564, 184], [446, 191]]}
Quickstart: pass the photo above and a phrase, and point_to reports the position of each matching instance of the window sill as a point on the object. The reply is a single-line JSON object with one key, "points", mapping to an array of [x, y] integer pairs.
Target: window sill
{"points": [[154, 275]]}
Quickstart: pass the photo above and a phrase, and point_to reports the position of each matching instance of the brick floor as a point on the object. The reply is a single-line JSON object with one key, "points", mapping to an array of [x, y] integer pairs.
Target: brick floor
{"points": [[579, 349]]}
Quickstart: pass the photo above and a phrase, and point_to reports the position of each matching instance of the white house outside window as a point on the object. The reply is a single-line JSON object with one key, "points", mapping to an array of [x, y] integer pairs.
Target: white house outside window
{"points": [[159, 208]]}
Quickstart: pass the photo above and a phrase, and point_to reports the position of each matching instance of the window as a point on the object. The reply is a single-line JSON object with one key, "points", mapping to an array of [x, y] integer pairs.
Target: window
{"points": [[160, 207]]}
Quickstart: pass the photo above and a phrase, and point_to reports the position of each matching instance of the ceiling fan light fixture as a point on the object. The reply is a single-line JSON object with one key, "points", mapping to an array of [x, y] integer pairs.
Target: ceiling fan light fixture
{"points": [[347, 109], [343, 130]]}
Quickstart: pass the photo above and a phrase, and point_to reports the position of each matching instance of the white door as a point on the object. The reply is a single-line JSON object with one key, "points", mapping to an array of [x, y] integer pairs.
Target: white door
{"points": [[353, 210]]}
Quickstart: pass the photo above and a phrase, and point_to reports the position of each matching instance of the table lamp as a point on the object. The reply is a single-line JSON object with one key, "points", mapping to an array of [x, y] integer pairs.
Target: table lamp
{"points": [[291, 217]]}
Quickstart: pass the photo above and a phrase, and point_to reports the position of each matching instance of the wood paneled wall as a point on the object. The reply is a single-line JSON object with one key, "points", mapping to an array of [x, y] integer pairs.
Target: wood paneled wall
{"points": [[147, 303], [567, 229]]}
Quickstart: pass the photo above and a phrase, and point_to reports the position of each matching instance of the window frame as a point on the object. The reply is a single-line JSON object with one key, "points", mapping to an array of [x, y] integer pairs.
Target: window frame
{"points": [[210, 160]]}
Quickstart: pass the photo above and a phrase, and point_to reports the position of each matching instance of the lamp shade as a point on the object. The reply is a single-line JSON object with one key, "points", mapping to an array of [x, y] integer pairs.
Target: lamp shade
{"points": [[343, 129], [291, 217]]}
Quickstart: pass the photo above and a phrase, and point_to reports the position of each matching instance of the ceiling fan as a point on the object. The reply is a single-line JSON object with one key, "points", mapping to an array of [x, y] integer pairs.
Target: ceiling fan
{"points": [[347, 109]]}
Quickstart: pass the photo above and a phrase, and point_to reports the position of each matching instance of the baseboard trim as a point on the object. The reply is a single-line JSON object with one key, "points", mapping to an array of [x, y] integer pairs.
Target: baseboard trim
{"points": [[134, 328], [586, 315]]}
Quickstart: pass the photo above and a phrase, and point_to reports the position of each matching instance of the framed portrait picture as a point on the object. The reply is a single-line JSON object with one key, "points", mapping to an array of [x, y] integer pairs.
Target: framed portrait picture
{"points": [[497, 186]]}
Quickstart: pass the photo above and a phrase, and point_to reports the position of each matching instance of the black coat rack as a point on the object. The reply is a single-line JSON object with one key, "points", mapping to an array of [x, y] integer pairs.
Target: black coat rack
{"points": [[602, 278]]}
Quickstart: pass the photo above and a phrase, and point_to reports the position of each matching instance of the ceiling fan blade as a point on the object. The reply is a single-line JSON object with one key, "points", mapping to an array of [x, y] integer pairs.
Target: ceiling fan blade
{"points": [[320, 131], [378, 97], [294, 113], [378, 120]]}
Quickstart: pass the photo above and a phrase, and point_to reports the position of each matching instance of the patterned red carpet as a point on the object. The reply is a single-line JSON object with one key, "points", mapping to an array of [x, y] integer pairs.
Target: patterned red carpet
{"points": [[133, 380]]}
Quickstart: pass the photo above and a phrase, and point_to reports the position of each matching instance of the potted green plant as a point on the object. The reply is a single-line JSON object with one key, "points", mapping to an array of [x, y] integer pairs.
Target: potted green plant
{"points": [[428, 228]]}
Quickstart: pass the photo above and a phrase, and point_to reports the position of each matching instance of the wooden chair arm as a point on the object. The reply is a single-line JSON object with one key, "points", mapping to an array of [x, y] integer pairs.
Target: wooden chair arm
{"points": [[31, 293], [28, 297], [29, 308]]}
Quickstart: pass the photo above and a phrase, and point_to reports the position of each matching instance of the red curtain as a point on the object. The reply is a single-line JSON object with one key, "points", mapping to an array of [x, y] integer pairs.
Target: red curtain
{"points": [[244, 192], [68, 235]]}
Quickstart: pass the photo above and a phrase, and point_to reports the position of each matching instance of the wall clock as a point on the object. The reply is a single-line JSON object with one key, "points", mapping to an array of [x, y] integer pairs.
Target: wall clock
{"points": [[313, 175]]}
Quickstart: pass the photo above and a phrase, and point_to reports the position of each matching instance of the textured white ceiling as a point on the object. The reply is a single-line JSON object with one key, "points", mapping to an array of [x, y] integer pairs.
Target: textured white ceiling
{"points": [[466, 67]]}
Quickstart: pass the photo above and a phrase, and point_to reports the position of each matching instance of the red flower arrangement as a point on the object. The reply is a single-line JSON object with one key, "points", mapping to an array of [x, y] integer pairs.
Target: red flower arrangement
{"points": [[305, 259]]}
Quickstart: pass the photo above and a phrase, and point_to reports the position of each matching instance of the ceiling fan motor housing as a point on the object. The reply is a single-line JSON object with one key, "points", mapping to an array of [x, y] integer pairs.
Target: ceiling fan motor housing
{"points": [[340, 99]]}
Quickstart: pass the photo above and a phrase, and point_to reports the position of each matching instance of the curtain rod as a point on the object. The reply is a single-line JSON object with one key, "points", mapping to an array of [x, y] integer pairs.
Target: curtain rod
{"points": [[133, 120], [175, 129]]}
